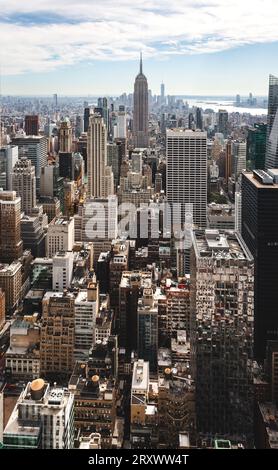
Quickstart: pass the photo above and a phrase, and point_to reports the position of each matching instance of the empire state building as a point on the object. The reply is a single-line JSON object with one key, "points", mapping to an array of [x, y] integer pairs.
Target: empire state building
{"points": [[140, 110]]}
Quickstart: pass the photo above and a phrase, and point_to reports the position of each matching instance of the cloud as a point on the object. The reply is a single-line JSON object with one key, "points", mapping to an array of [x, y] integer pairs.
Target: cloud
{"points": [[41, 35]]}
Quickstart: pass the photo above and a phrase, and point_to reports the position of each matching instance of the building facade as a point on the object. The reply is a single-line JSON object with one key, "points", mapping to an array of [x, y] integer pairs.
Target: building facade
{"points": [[140, 110], [222, 317]]}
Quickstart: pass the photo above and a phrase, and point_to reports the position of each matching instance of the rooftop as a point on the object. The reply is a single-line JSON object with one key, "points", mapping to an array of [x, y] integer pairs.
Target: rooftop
{"points": [[220, 245], [129, 278], [262, 179], [269, 413], [140, 377], [182, 132]]}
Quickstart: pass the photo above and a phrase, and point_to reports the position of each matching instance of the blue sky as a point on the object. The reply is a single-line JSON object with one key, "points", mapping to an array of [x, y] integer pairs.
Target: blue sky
{"points": [[92, 46]]}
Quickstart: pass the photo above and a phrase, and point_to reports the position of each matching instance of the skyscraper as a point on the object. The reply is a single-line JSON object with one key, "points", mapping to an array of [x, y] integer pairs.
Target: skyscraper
{"points": [[8, 158], [256, 147], [2, 307], [57, 333], [162, 93], [60, 235], [96, 155], [24, 184], [228, 162], [186, 154], [34, 148], [199, 119], [223, 122], [222, 334], [32, 125], [260, 233], [10, 239], [65, 136], [87, 112], [147, 328], [140, 110], [271, 160], [11, 284], [102, 109], [239, 153]]}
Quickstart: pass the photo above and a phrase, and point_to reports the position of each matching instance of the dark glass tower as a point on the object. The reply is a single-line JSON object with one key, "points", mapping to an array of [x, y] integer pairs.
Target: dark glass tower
{"points": [[199, 119], [87, 112], [140, 110], [260, 233], [256, 147], [271, 160]]}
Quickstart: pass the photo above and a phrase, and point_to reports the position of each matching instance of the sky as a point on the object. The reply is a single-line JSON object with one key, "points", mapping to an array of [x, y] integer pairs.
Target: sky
{"points": [[197, 47]]}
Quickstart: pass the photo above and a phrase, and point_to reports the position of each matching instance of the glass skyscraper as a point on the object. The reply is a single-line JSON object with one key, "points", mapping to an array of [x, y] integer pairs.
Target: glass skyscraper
{"points": [[271, 160], [256, 147]]}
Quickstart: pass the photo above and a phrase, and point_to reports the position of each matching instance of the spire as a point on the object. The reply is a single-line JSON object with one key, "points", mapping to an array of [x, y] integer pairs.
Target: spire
{"points": [[141, 63]]}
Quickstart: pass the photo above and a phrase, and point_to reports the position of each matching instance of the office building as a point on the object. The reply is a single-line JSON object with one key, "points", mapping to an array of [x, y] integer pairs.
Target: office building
{"points": [[97, 220], [239, 154], [57, 333], [114, 161], [42, 419], [120, 130], [62, 271], [176, 404], [223, 122], [221, 216], [2, 308], [162, 93], [140, 110], [108, 182], [103, 110], [199, 119], [118, 263], [222, 317], [87, 112], [238, 211], [131, 284], [11, 283], [94, 400], [51, 207], [31, 126], [147, 329], [41, 275], [66, 165], [60, 235], [186, 155], [271, 159], [51, 183], [24, 184], [228, 162], [23, 355], [10, 235], [33, 235], [144, 420], [65, 136], [8, 159], [34, 148], [256, 147], [260, 233], [86, 309], [173, 310], [96, 155]]}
